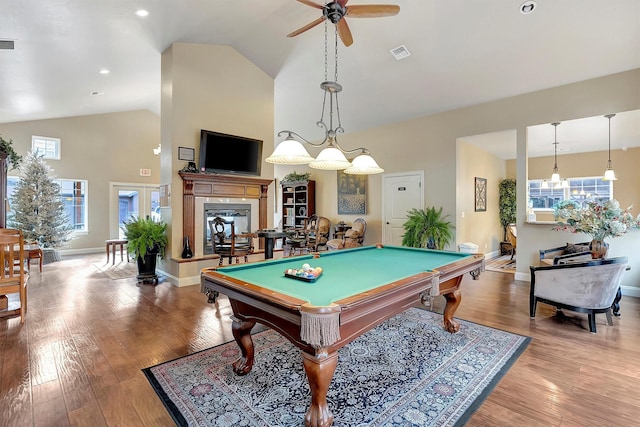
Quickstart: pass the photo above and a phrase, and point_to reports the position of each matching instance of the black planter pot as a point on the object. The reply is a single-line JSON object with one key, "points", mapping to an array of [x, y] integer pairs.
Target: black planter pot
{"points": [[147, 268]]}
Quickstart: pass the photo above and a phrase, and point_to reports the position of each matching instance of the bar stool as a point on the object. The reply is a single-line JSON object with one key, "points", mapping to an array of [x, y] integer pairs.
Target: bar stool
{"points": [[112, 244]]}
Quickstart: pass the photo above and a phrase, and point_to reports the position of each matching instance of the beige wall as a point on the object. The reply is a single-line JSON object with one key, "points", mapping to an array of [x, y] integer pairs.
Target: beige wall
{"points": [[481, 228], [100, 148], [214, 88], [429, 143]]}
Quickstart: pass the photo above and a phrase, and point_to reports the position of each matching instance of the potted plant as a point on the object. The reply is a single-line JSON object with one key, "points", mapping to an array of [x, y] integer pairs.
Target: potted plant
{"points": [[599, 219], [146, 240], [427, 228], [507, 204], [6, 147]]}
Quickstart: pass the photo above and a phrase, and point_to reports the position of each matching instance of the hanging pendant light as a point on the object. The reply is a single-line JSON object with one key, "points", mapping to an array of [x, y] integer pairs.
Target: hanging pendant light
{"points": [[609, 174], [555, 176], [291, 151]]}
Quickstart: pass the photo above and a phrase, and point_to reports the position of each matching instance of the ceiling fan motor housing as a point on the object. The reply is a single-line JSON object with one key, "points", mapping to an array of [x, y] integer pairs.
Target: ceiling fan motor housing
{"points": [[334, 12]]}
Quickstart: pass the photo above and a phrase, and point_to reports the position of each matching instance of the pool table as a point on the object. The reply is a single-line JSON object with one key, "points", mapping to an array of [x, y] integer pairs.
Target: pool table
{"points": [[357, 290]]}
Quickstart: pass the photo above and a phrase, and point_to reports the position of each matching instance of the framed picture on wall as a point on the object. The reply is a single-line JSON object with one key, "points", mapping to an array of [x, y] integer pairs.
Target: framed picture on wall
{"points": [[352, 194], [481, 194]]}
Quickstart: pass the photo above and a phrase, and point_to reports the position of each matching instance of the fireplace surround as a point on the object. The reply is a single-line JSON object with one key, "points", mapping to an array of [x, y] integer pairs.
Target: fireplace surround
{"points": [[202, 185]]}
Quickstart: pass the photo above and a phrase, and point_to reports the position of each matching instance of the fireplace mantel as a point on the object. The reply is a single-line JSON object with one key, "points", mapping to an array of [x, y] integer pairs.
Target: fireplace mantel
{"points": [[213, 185]]}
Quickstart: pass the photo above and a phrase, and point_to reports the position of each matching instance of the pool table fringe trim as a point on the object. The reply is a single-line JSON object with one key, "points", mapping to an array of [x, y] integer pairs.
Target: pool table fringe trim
{"points": [[320, 328]]}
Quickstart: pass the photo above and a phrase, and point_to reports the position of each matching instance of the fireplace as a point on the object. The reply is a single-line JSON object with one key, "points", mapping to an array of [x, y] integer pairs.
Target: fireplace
{"points": [[200, 189], [240, 214]]}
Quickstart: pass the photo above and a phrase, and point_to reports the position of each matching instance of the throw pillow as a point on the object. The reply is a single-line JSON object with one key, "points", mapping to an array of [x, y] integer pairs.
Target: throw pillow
{"points": [[573, 248]]}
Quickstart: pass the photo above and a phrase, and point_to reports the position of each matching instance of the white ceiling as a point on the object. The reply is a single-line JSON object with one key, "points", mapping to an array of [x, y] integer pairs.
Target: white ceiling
{"points": [[462, 53]]}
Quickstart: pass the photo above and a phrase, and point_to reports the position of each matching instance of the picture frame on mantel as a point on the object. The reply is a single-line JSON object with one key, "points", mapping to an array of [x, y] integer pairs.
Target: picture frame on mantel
{"points": [[480, 194]]}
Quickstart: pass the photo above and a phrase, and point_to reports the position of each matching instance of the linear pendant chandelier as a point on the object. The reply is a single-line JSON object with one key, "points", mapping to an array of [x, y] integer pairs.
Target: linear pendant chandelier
{"points": [[332, 157]]}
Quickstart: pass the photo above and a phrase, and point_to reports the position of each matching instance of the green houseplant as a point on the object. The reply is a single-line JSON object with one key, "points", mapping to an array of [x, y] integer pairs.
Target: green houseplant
{"points": [[507, 204], [427, 228], [146, 240], [6, 146]]}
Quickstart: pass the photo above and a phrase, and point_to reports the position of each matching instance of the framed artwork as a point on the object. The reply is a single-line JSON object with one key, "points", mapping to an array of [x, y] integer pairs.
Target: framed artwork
{"points": [[185, 153], [481, 194], [352, 194]]}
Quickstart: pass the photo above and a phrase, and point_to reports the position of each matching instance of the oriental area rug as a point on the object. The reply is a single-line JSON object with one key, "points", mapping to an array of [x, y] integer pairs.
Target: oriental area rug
{"points": [[406, 372]]}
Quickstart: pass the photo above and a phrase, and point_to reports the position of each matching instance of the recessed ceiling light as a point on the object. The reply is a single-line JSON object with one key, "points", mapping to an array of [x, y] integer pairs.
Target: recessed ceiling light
{"points": [[142, 12], [97, 93], [104, 71], [527, 7]]}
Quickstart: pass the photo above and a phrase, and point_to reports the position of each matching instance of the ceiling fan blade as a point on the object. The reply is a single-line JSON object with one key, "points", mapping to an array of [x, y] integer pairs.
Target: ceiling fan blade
{"points": [[372, 10], [312, 4], [344, 32], [342, 2], [306, 27]]}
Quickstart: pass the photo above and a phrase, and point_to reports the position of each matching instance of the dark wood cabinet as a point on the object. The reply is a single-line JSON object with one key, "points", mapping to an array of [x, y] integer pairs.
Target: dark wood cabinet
{"points": [[298, 203]]}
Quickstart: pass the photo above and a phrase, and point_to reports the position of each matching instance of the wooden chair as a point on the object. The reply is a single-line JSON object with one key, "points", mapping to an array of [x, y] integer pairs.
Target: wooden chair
{"points": [[13, 277], [352, 238], [228, 243], [314, 235]]}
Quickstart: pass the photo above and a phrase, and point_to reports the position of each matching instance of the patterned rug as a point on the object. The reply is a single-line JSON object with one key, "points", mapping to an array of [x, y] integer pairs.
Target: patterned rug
{"points": [[406, 372], [503, 264]]}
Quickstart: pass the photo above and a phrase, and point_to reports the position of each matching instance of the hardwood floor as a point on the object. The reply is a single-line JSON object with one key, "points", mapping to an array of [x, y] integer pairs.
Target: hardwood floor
{"points": [[77, 360]]}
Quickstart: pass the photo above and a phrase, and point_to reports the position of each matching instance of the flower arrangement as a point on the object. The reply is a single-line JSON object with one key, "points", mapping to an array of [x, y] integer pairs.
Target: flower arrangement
{"points": [[598, 219]]}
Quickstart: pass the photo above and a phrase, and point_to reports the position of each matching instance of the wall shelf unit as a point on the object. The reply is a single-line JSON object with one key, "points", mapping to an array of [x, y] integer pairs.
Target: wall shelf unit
{"points": [[298, 203]]}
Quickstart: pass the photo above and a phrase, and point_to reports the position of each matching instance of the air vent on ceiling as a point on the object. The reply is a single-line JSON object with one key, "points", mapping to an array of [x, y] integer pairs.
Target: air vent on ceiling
{"points": [[400, 52], [6, 44]]}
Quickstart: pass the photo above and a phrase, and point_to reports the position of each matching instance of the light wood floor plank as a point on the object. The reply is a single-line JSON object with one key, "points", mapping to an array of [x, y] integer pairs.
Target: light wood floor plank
{"points": [[78, 358]]}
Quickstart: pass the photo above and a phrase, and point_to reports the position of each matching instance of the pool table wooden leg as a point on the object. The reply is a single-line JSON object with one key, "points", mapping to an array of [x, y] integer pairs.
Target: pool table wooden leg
{"points": [[453, 301], [242, 333], [320, 373]]}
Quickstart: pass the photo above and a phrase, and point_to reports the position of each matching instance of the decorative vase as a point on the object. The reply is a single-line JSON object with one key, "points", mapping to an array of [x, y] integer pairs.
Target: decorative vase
{"points": [[187, 252], [598, 249]]}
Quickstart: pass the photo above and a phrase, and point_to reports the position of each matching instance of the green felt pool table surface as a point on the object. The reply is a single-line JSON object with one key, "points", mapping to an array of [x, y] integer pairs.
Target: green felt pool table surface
{"points": [[345, 273]]}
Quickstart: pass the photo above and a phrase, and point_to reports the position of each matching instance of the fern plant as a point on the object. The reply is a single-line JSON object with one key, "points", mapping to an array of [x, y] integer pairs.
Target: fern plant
{"points": [[145, 235], [427, 228]]}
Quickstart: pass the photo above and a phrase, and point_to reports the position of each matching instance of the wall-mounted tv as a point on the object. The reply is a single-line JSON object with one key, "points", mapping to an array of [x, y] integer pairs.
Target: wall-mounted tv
{"points": [[229, 154]]}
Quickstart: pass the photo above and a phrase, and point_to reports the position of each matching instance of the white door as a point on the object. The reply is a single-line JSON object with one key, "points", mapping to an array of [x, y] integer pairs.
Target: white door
{"points": [[132, 200], [401, 193]]}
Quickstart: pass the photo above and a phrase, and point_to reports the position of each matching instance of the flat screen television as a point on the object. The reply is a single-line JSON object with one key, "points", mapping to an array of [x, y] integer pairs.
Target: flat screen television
{"points": [[229, 154]]}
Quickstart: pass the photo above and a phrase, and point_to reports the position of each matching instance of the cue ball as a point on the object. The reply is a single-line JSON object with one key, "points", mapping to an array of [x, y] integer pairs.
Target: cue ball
{"points": [[306, 267]]}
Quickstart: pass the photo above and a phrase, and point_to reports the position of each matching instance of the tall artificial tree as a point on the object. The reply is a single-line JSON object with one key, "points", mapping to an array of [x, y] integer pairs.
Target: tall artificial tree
{"points": [[507, 203], [36, 206]]}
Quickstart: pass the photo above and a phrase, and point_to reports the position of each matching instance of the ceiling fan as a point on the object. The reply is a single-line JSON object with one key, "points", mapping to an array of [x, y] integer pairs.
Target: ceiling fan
{"points": [[336, 10]]}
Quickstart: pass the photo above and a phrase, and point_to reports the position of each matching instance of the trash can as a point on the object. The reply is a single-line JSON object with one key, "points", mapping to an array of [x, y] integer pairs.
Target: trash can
{"points": [[468, 248]]}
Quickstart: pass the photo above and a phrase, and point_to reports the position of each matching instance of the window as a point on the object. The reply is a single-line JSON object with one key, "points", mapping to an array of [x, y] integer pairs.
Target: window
{"points": [[580, 189], [73, 194], [49, 148]]}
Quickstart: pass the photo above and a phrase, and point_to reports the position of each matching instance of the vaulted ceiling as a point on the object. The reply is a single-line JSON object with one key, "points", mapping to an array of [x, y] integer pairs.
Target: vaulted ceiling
{"points": [[462, 52]]}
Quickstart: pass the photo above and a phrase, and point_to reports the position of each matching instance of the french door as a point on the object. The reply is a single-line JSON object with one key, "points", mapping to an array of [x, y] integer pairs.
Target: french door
{"points": [[131, 200]]}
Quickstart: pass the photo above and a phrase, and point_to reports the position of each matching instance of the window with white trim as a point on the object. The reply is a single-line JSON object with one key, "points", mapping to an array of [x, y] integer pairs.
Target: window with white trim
{"points": [[73, 194], [45, 146], [580, 189]]}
